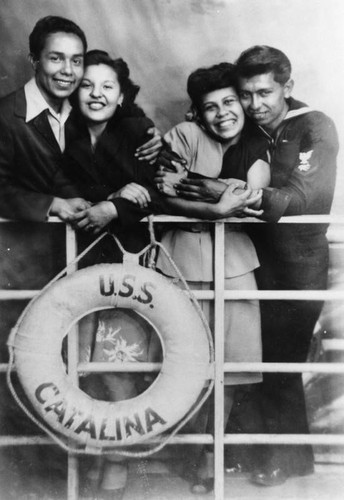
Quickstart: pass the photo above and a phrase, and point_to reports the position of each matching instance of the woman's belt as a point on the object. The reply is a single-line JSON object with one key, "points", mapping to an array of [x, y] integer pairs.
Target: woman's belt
{"points": [[199, 227], [195, 227]]}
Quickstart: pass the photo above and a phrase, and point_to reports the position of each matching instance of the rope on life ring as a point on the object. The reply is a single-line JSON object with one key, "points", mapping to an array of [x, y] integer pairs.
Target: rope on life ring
{"points": [[101, 426]]}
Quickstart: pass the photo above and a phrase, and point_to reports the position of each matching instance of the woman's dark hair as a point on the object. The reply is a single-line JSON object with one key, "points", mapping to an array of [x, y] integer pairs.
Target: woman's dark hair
{"points": [[204, 80], [48, 25], [262, 59], [128, 87]]}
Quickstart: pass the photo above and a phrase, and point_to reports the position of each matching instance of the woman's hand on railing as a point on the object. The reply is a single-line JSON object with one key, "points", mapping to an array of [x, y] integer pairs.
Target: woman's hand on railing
{"points": [[65, 209], [134, 193], [95, 218], [237, 204], [255, 200], [206, 190]]}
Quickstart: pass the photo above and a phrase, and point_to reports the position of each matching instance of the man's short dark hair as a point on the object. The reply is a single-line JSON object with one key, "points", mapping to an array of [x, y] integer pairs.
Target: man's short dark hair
{"points": [[262, 59], [204, 80], [48, 25]]}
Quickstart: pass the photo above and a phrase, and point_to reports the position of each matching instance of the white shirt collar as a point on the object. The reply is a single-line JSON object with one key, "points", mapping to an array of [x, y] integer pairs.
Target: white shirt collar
{"points": [[298, 112], [35, 102]]}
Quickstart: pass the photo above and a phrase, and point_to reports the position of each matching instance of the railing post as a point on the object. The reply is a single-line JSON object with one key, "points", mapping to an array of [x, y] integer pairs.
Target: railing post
{"points": [[73, 359], [219, 286], [220, 295]]}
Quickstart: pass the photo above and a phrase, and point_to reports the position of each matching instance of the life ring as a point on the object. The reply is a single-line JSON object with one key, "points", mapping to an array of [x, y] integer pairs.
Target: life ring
{"points": [[101, 424]]}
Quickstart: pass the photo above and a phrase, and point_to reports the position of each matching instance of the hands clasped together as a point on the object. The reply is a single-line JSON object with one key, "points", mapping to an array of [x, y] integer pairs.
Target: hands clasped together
{"points": [[96, 217], [230, 197], [82, 214]]}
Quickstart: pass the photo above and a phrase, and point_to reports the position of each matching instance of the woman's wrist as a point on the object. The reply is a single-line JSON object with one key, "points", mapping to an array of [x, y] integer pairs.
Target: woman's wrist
{"points": [[216, 211], [110, 208]]}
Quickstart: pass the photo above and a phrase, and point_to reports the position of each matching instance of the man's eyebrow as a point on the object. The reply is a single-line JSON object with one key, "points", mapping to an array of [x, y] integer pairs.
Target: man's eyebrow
{"points": [[81, 54], [243, 91]]}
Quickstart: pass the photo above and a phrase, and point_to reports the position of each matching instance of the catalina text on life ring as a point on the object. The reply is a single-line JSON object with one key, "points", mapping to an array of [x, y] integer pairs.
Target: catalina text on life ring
{"points": [[68, 410]]}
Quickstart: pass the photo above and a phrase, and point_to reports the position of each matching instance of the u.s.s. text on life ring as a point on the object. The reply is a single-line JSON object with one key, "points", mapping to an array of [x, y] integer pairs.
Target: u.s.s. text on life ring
{"points": [[101, 424]]}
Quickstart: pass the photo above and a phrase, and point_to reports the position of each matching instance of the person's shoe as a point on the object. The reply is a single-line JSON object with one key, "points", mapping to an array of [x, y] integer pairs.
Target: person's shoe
{"points": [[204, 479], [116, 494], [302, 471], [269, 477], [202, 486], [89, 488], [233, 469], [114, 481]]}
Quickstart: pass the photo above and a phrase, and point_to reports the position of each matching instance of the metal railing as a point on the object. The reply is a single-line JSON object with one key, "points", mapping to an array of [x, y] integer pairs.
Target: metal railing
{"points": [[219, 295]]}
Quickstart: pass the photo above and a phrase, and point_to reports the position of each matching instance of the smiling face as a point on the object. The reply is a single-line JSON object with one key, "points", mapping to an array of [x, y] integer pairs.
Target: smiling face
{"points": [[59, 69], [223, 115], [264, 99], [99, 93]]}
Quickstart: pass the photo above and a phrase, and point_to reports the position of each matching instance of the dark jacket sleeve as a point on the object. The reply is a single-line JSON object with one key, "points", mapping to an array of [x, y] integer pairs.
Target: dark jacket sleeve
{"points": [[88, 184], [18, 197], [305, 183], [64, 187], [140, 172], [30, 163]]}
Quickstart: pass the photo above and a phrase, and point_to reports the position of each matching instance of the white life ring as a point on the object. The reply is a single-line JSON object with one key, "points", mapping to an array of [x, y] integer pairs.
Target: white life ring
{"points": [[70, 411]]}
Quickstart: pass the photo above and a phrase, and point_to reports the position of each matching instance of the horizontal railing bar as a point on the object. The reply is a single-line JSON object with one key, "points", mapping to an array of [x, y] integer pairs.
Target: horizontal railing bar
{"points": [[18, 294], [282, 439], [297, 219], [333, 344], [284, 367], [284, 294], [228, 367], [120, 367], [333, 295], [312, 439], [4, 368], [25, 440], [100, 367]]}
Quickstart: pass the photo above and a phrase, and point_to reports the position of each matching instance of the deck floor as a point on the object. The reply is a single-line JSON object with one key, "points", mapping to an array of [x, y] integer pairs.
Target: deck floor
{"points": [[159, 482], [326, 484]]}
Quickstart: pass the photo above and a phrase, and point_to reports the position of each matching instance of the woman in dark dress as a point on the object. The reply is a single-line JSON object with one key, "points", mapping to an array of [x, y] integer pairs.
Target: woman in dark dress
{"points": [[103, 163]]}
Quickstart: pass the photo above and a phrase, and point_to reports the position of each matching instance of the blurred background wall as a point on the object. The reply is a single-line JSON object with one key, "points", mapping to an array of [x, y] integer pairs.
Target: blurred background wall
{"points": [[164, 40]]}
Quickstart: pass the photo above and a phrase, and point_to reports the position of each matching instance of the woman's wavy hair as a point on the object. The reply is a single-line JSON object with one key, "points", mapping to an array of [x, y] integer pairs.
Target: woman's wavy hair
{"points": [[205, 80], [128, 88]]}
